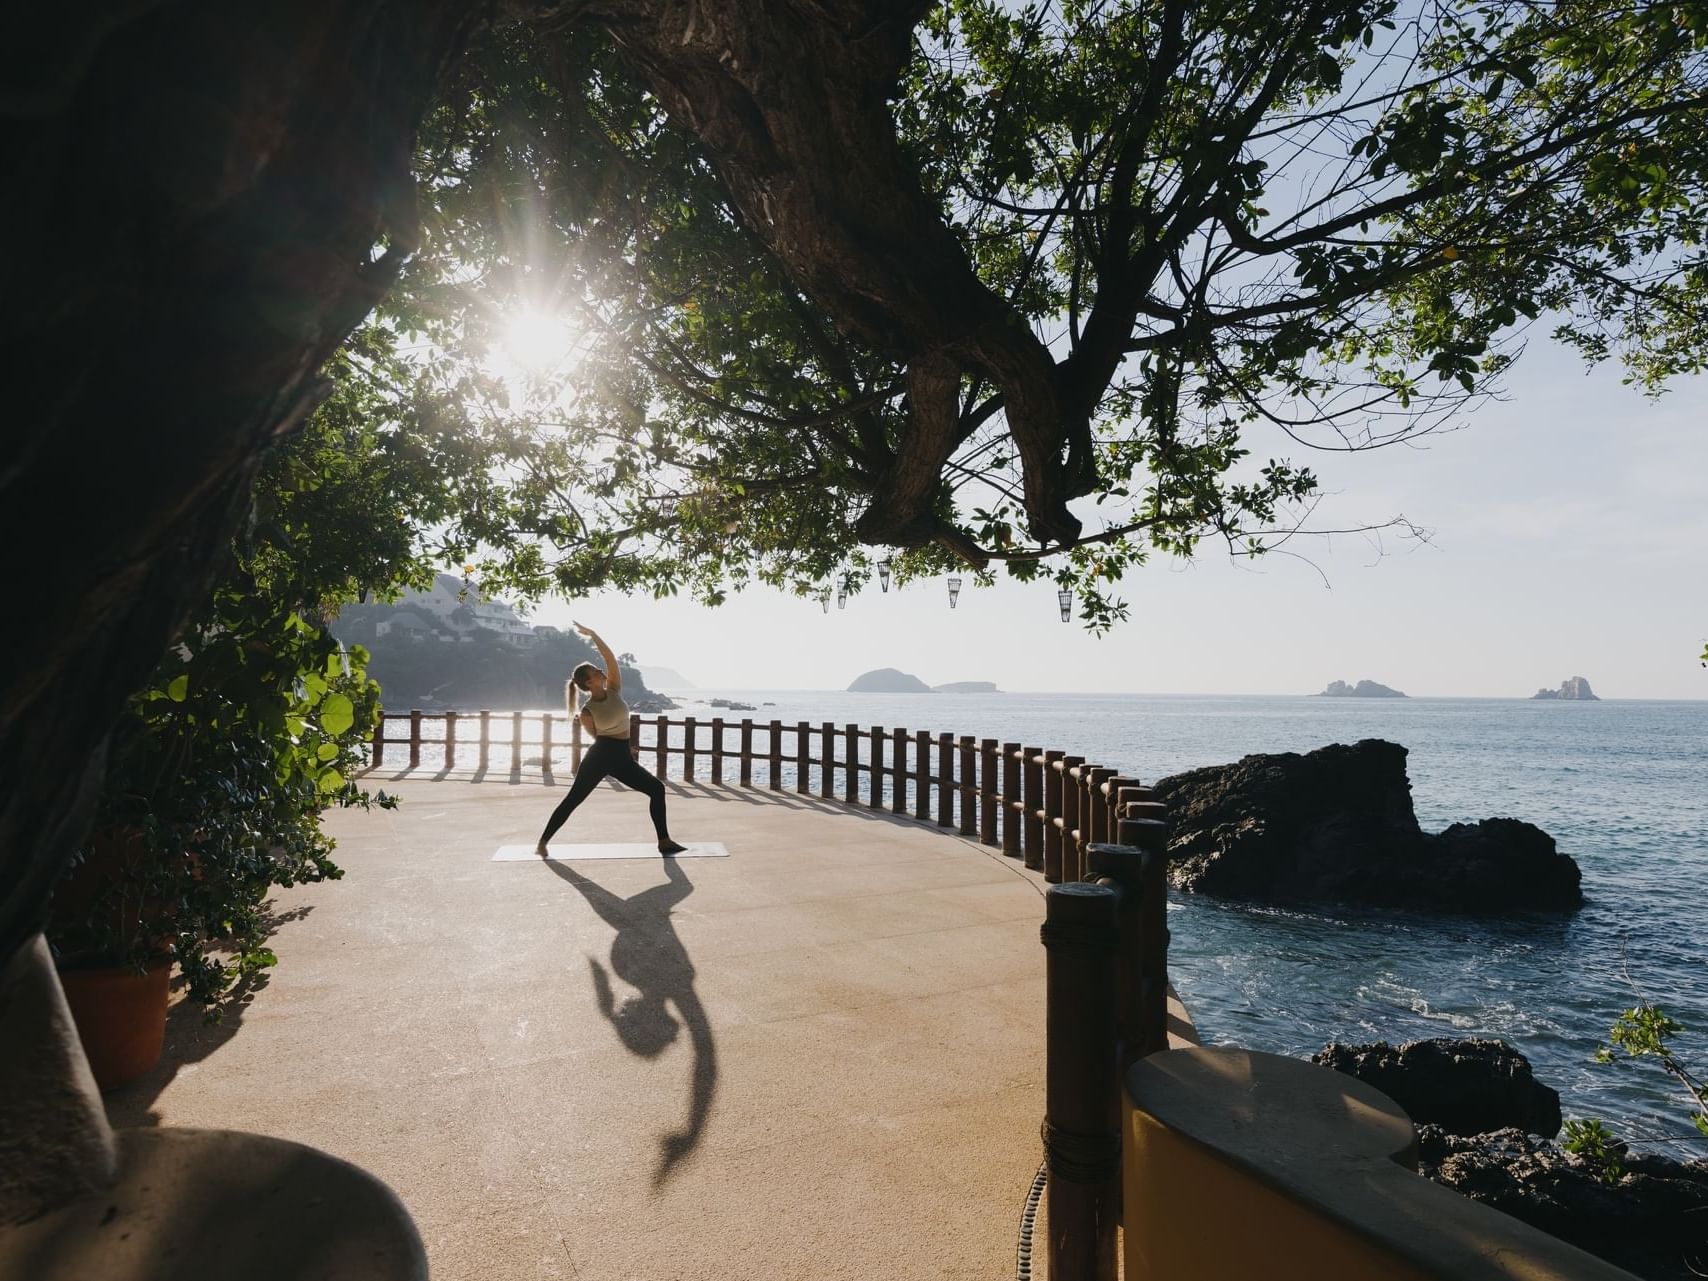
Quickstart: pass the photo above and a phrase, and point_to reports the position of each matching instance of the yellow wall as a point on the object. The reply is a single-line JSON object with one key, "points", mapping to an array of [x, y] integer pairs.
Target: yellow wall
{"points": [[1191, 1216]]}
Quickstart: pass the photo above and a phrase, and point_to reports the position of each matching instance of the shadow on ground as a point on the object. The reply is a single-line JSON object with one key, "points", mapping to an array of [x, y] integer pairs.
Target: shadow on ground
{"points": [[648, 956]]}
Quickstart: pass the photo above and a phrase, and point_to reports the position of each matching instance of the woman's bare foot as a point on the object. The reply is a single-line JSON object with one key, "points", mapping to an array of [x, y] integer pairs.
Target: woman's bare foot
{"points": [[670, 847]]}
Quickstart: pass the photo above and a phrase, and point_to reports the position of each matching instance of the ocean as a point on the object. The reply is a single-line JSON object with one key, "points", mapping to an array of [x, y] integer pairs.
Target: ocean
{"points": [[1622, 786]]}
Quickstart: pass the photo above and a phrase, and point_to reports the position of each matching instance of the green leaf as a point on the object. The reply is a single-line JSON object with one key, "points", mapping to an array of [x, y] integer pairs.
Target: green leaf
{"points": [[327, 751], [179, 689], [337, 714], [330, 781]]}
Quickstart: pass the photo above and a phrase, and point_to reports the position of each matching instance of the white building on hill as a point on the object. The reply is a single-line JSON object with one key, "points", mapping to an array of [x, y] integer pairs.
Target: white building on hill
{"points": [[458, 611]]}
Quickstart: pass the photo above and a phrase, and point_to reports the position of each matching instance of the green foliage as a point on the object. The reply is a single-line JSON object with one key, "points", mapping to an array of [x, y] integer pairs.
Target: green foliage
{"points": [[249, 727], [1598, 1145], [1239, 230]]}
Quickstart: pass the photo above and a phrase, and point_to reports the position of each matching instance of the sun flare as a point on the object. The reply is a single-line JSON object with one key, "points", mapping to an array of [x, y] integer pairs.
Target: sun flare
{"points": [[536, 342]]}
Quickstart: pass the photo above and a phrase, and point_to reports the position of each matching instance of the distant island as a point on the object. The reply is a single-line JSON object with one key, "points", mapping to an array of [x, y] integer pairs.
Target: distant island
{"points": [[967, 687], [1364, 689], [1576, 688], [887, 680]]}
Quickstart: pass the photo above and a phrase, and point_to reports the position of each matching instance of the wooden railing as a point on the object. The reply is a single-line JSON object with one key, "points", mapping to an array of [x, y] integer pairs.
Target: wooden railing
{"points": [[1097, 834], [1043, 806]]}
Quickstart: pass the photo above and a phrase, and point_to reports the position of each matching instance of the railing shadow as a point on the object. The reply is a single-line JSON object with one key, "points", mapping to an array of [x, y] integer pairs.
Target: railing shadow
{"points": [[647, 955]]}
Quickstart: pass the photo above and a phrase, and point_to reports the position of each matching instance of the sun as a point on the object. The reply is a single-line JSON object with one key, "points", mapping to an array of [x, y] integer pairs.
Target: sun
{"points": [[535, 342]]}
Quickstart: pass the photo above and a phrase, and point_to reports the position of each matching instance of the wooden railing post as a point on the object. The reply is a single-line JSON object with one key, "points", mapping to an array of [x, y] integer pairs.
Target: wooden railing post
{"points": [[1123, 865], [485, 737], [898, 774], [776, 780], [851, 782], [1082, 1117], [1032, 786], [717, 749], [987, 791], [516, 742], [1151, 837], [827, 766], [379, 740], [1011, 799], [689, 732], [634, 737], [945, 780], [1099, 828], [1072, 868], [969, 785], [1052, 815], [450, 739], [661, 749], [922, 776], [414, 738], [746, 761], [875, 790], [575, 745], [546, 743], [803, 758]]}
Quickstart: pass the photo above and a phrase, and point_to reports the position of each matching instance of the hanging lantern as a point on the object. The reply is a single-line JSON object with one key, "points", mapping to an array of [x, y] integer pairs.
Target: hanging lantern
{"points": [[954, 591], [884, 568], [842, 600], [825, 601], [1064, 598]]}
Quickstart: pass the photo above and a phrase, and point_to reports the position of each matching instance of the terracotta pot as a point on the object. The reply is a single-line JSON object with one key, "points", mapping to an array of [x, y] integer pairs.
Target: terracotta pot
{"points": [[120, 1017]]}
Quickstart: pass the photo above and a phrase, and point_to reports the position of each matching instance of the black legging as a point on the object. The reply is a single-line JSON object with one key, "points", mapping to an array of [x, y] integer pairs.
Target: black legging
{"points": [[609, 757]]}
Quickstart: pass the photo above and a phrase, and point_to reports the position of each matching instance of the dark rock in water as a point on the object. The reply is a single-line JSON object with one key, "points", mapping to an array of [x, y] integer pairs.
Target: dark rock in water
{"points": [[1464, 1085], [1337, 825], [1653, 1221]]}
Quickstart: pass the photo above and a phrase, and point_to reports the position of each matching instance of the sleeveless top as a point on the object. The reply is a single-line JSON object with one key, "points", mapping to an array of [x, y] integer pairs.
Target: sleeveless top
{"points": [[610, 715]]}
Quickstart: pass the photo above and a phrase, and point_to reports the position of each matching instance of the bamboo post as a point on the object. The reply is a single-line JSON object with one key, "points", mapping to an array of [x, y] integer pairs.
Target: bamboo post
{"points": [[1151, 837], [485, 737], [450, 739], [1072, 868], [1052, 815], [776, 779], [987, 791], [1082, 1116], [969, 781], [827, 766], [1011, 799], [747, 751], [945, 780], [690, 731], [1032, 785], [379, 739], [851, 779], [717, 749], [1123, 864], [803, 768], [875, 790], [922, 776], [414, 738], [898, 774]]}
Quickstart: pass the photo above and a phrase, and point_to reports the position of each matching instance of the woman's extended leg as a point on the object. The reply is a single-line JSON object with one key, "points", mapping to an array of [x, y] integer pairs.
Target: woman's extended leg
{"points": [[594, 767], [631, 773]]}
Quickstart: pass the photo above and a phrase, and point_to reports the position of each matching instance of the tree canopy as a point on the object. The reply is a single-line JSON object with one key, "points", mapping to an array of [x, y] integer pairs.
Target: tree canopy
{"points": [[1053, 287]]}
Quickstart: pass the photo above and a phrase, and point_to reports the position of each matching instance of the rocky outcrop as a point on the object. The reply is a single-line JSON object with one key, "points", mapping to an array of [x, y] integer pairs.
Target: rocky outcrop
{"points": [[967, 687], [1337, 825], [887, 680], [1364, 689], [1463, 1085], [1575, 687], [1653, 1221]]}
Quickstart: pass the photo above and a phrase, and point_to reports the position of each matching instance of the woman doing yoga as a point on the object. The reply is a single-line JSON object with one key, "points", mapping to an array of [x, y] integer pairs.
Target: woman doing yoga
{"points": [[605, 715]]}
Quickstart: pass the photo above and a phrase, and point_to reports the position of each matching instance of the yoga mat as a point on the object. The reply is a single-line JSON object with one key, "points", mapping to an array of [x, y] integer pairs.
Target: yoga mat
{"points": [[563, 853]]}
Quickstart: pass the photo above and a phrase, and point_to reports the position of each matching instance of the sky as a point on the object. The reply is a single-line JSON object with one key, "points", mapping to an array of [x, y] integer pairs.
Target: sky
{"points": [[1568, 537]]}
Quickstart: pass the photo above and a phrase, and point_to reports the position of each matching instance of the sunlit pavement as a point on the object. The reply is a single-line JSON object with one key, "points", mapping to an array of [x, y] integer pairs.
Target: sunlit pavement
{"points": [[851, 1003]]}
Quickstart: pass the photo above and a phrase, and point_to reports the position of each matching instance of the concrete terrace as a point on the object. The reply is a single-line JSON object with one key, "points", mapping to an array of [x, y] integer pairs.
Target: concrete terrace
{"points": [[820, 1057]]}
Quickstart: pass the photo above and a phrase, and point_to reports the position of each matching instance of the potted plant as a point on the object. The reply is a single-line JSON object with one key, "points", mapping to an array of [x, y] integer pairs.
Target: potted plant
{"points": [[253, 725]]}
